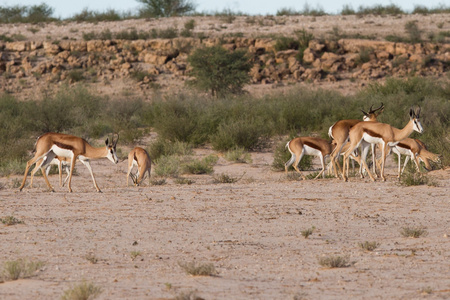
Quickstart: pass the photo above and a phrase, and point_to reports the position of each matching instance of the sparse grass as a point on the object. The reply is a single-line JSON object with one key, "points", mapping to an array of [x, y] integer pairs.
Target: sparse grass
{"points": [[426, 291], [307, 232], [158, 181], [225, 178], [10, 220], [335, 261], [182, 180], [135, 254], [21, 268], [91, 258], [191, 295], [198, 269], [412, 178], [414, 232], [82, 291], [200, 166], [239, 155], [368, 246]]}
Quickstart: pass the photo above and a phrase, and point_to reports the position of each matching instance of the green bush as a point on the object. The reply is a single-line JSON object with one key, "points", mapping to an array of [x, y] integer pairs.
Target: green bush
{"points": [[200, 166], [226, 71], [165, 8], [162, 147], [245, 133]]}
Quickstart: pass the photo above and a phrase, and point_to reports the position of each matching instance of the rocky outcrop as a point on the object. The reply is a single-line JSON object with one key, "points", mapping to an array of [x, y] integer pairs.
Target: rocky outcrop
{"points": [[322, 60]]}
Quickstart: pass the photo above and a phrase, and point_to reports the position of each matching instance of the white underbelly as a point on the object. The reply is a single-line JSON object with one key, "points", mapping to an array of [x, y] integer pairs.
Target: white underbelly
{"points": [[311, 151], [61, 152], [402, 151], [372, 140]]}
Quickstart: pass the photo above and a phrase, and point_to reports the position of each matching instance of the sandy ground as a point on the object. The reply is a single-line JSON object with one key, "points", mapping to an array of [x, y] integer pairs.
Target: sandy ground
{"points": [[250, 231]]}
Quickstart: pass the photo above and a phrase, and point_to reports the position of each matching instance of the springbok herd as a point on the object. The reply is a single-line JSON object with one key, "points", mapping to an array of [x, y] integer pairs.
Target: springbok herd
{"points": [[350, 138]]}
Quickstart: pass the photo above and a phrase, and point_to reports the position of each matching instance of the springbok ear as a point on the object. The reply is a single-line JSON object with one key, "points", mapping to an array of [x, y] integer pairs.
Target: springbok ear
{"points": [[411, 113], [366, 114], [417, 112], [106, 142]]}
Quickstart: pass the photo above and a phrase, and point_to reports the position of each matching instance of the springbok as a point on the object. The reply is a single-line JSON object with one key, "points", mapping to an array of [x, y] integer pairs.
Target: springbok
{"points": [[140, 158], [300, 146], [417, 151], [51, 145], [339, 133], [365, 133]]}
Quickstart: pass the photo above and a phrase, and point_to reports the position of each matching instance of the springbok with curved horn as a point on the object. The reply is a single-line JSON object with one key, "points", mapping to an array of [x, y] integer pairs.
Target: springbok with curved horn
{"points": [[140, 158], [339, 133], [50, 145], [365, 133], [300, 146]]}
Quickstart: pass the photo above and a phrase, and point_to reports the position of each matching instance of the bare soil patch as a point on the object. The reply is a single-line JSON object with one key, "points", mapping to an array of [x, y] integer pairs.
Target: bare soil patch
{"points": [[250, 231]]}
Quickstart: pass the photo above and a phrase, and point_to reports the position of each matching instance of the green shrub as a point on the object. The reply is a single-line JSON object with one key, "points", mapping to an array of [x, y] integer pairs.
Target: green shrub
{"points": [[162, 147], [285, 43], [165, 8], [245, 133], [226, 71], [200, 166], [413, 31], [239, 155], [168, 166]]}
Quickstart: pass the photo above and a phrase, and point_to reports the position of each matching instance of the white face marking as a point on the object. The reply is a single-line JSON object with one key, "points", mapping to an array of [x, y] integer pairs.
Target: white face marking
{"points": [[112, 155], [418, 126]]}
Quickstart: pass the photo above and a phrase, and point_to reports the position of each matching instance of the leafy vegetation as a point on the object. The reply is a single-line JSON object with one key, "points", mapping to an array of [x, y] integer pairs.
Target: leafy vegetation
{"points": [[226, 71], [184, 120], [165, 8]]}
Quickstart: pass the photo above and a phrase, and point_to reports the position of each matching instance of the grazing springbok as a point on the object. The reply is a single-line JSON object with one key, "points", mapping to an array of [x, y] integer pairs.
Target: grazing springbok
{"points": [[339, 133], [417, 151], [140, 158], [300, 146], [365, 133], [51, 145]]}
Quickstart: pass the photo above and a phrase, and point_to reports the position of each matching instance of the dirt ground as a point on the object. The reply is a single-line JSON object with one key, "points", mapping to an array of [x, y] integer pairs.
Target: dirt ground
{"points": [[250, 231]]}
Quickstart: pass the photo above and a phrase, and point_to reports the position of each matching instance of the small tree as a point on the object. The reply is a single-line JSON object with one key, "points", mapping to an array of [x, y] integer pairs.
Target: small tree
{"points": [[220, 71], [166, 8]]}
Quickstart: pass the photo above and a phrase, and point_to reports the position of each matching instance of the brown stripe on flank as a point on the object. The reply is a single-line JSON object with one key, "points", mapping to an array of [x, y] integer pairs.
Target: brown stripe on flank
{"points": [[64, 146], [312, 145], [372, 133], [404, 146]]}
